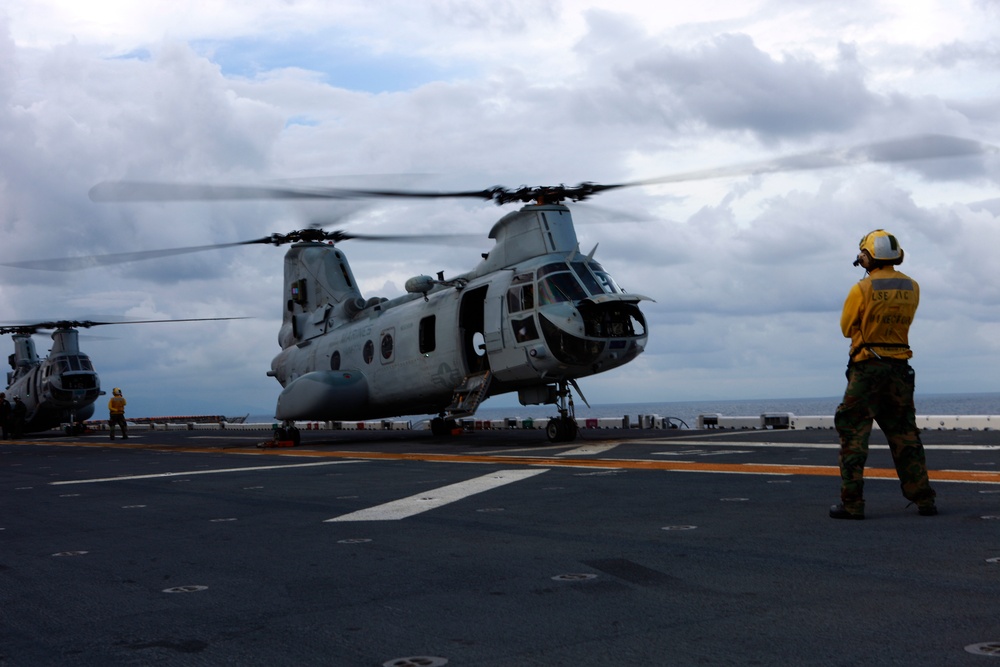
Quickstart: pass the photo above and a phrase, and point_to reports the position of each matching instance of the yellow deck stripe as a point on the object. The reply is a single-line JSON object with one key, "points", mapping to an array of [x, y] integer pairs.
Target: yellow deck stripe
{"points": [[549, 461]]}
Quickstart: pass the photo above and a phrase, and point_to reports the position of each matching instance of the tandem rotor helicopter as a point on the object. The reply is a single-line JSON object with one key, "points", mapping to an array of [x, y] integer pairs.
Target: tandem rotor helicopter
{"points": [[63, 387], [533, 316]]}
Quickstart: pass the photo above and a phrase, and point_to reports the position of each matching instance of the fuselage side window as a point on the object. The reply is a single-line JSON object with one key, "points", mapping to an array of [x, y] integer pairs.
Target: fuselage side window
{"points": [[427, 340]]}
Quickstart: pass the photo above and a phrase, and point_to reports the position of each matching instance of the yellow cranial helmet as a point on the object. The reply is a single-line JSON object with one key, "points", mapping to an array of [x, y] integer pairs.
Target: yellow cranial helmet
{"points": [[882, 246], [116, 391]]}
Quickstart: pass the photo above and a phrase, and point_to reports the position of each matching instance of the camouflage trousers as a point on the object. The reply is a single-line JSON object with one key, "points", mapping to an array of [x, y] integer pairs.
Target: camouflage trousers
{"points": [[880, 390]]}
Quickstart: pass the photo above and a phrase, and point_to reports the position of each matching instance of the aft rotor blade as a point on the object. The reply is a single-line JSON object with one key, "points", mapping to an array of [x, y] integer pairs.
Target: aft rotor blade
{"points": [[141, 191], [88, 324], [26, 328], [907, 149], [91, 261]]}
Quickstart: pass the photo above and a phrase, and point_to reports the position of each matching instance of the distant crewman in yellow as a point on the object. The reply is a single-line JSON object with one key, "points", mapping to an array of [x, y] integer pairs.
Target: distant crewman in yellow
{"points": [[876, 317], [116, 408]]}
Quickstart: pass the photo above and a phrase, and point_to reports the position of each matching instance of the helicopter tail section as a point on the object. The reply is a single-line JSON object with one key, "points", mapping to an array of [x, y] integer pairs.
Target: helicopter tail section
{"points": [[319, 290]]}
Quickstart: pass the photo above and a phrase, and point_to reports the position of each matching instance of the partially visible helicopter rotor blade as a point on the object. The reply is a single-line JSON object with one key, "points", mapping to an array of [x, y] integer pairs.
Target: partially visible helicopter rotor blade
{"points": [[314, 233], [92, 261], [140, 191], [907, 149], [429, 239], [35, 327], [89, 324]]}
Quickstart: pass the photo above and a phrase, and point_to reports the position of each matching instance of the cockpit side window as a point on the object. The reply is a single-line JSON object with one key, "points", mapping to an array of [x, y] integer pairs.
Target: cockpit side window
{"points": [[524, 330], [520, 298]]}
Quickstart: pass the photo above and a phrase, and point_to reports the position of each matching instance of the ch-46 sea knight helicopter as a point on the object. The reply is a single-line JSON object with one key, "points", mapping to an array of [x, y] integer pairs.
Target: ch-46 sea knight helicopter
{"points": [[534, 316], [63, 387]]}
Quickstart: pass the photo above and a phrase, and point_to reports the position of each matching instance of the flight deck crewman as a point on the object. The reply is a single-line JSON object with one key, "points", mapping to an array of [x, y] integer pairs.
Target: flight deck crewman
{"points": [[116, 410], [876, 317], [18, 417]]}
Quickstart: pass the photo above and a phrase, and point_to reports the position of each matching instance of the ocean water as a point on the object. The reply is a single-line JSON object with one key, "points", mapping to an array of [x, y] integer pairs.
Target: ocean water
{"points": [[685, 413]]}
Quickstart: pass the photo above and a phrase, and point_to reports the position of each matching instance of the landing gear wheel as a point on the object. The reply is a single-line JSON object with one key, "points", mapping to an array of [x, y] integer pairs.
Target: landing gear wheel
{"points": [[569, 429], [554, 430], [561, 429]]}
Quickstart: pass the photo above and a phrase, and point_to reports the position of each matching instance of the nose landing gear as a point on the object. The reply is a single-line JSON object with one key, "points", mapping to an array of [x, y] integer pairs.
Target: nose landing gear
{"points": [[563, 428]]}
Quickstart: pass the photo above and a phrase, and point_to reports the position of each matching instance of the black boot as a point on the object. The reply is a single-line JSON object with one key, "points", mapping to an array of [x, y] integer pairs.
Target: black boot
{"points": [[838, 511]]}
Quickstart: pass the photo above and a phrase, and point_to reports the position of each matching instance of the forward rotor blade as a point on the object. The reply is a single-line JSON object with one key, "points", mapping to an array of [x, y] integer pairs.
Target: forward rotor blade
{"points": [[907, 149], [425, 239], [919, 147]]}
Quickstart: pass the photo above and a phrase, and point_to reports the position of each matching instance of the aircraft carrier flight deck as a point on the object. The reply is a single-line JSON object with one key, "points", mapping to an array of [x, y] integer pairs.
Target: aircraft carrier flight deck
{"points": [[490, 548]]}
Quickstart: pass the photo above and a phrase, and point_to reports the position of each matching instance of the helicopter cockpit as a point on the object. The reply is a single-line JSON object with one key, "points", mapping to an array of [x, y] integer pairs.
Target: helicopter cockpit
{"points": [[584, 317], [70, 379], [556, 282]]}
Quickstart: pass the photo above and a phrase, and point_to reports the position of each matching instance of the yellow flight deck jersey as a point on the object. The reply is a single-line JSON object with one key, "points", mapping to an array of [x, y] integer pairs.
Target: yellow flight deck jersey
{"points": [[877, 315], [116, 405]]}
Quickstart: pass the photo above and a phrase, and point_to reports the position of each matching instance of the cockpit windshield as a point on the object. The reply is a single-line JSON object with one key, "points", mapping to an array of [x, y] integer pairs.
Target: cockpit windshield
{"points": [[587, 278], [608, 284], [559, 282], [559, 287], [75, 363]]}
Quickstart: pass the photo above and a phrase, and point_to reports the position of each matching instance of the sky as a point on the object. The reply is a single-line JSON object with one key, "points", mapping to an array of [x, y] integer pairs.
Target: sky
{"points": [[748, 273]]}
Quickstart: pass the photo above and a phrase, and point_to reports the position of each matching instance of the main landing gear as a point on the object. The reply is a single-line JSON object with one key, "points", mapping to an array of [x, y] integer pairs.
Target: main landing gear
{"points": [[563, 428]]}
